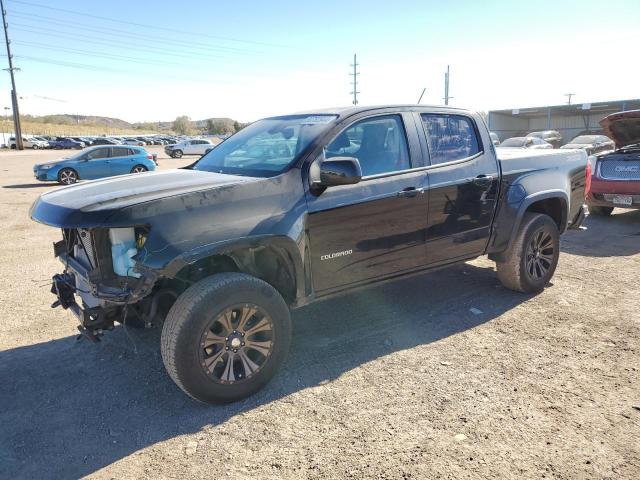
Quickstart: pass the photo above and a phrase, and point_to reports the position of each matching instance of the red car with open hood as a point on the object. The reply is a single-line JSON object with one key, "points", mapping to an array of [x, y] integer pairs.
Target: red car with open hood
{"points": [[613, 178]]}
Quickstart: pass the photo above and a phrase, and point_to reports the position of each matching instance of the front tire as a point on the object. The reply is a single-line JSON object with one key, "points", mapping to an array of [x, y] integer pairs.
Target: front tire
{"points": [[600, 211], [225, 337], [68, 176], [176, 154], [35, 147], [531, 260]]}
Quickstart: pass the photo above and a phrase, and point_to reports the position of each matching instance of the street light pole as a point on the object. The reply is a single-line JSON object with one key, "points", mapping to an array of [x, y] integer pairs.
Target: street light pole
{"points": [[14, 94]]}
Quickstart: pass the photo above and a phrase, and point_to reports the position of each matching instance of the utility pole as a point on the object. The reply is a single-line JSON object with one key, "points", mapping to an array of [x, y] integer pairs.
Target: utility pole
{"points": [[14, 94], [446, 87], [355, 74], [4, 125], [421, 95], [569, 95]]}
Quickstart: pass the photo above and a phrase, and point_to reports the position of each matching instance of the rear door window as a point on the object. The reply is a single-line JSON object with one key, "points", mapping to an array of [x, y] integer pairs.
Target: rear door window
{"points": [[120, 152], [450, 137]]}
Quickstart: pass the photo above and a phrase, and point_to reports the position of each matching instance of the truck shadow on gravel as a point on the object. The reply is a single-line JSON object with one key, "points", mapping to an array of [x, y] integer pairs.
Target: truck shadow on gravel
{"points": [[31, 185], [614, 236], [69, 408]]}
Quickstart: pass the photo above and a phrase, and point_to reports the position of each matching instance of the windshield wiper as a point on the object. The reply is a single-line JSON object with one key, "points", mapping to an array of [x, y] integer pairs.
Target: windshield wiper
{"points": [[633, 146]]}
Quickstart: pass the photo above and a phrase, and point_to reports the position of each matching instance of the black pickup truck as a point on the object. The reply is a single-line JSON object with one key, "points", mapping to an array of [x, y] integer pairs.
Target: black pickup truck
{"points": [[294, 209]]}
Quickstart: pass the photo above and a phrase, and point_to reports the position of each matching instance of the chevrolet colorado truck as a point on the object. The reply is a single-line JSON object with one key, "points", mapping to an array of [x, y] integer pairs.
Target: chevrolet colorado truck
{"points": [[294, 209]]}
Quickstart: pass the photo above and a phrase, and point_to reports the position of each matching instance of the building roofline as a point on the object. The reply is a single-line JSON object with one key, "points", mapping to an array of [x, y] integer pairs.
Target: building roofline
{"points": [[565, 107]]}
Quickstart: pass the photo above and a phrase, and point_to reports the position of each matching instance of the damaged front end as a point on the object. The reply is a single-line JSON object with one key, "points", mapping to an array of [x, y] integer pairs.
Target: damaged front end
{"points": [[100, 270]]}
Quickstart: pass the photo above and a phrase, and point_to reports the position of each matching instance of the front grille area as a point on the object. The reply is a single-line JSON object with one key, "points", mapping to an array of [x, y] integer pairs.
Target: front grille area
{"points": [[619, 169], [86, 244], [90, 247]]}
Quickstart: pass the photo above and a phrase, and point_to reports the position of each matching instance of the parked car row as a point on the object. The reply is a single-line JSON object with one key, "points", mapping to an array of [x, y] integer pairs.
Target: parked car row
{"points": [[591, 144], [39, 142]]}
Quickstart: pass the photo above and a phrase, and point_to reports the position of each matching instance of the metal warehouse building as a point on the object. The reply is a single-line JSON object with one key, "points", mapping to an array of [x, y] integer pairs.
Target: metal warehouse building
{"points": [[569, 120]]}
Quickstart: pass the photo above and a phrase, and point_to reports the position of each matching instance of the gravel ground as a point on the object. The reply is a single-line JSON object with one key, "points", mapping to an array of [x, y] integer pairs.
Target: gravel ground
{"points": [[399, 381]]}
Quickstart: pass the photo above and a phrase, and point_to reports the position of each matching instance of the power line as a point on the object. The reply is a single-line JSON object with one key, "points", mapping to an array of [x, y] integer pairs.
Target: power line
{"points": [[84, 66], [107, 56], [355, 74], [129, 47], [110, 31], [120, 21], [14, 94]]}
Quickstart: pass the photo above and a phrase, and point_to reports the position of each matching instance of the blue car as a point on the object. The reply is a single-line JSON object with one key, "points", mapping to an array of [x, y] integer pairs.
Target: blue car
{"points": [[96, 162], [60, 143]]}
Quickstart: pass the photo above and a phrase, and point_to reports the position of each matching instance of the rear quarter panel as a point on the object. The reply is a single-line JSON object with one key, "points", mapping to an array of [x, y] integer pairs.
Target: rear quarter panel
{"points": [[531, 176]]}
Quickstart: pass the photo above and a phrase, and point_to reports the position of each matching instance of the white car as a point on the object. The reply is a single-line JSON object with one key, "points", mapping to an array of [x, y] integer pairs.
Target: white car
{"points": [[526, 142], [29, 142], [196, 146], [133, 141]]}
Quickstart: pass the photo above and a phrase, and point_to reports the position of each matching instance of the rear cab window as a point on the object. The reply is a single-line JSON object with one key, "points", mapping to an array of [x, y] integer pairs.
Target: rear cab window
{"points": [[450, 137]]}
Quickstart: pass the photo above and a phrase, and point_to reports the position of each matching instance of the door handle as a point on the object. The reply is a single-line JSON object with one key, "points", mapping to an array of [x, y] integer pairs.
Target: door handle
{"points": [[410, 192], [483, 180]]}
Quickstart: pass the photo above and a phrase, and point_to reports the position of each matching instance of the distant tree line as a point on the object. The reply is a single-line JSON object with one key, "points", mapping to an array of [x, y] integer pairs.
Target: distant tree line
{"points": [[183, 125]]}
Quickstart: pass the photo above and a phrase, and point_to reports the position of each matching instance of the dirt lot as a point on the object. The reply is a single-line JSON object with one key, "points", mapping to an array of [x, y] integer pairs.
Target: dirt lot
{"points": [[401, 381]]}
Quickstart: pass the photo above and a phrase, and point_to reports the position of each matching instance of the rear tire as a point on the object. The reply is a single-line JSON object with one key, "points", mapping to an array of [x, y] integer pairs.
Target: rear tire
{"points": [[35, 147], [139, 169], [204, 334], [531, 260], [600, 211]]}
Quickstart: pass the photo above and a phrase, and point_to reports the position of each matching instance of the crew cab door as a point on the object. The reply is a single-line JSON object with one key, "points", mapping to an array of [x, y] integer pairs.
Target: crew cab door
{"points": [[375, 228], [463, 185]]}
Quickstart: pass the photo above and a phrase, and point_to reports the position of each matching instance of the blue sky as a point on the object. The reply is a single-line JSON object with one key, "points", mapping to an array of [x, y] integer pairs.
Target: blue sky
{"points": [[248, 59]]}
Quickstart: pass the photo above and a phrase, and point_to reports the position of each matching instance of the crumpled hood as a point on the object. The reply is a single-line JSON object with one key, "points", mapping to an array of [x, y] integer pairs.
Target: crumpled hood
{"points": [[622, 127], [89, 203]]}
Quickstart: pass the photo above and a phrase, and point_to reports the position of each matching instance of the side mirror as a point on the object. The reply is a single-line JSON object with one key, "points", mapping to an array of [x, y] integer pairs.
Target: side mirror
{"points": [[336, 171]]}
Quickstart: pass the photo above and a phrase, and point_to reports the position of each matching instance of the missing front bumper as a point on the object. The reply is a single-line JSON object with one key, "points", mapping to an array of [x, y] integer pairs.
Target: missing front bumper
{"points": [[92, 320]]}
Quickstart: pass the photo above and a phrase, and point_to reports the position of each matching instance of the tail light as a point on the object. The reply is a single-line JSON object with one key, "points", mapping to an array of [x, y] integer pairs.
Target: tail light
{"points": [[587, 180]]}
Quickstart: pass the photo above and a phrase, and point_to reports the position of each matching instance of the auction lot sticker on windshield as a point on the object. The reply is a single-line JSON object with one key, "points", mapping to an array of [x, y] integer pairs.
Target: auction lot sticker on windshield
{"points": [[318, 119]]}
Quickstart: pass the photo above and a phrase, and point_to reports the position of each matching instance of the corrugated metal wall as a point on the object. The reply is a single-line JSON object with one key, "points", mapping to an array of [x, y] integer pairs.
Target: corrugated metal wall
{"points": [[508, 124]]}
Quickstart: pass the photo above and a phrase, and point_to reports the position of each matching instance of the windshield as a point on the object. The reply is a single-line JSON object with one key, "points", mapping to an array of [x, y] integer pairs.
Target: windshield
{"points": [[513, 142], [265, 148]]}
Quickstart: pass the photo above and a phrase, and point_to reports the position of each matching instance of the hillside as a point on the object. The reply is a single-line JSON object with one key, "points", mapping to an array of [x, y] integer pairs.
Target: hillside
{"points": [[67, 124]]}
